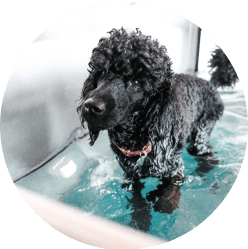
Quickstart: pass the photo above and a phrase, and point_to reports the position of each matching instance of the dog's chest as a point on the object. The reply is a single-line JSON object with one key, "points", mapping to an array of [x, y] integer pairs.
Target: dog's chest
{"points": [[127, 139]]}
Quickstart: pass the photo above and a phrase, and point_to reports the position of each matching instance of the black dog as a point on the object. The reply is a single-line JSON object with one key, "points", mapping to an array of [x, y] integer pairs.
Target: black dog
{"points": [[149, 112]]}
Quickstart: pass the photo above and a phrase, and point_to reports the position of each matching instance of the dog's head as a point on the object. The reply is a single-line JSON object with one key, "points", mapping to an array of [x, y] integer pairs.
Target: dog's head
{"points": [[126, 71]]}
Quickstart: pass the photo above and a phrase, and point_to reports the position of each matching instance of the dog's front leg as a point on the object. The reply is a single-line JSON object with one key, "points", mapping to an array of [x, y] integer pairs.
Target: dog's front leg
{"points": [[168, 164]]}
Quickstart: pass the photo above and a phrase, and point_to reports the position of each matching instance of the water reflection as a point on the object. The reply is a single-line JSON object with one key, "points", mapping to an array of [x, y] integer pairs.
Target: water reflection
{"points": [[164, 199], [205, 164]]}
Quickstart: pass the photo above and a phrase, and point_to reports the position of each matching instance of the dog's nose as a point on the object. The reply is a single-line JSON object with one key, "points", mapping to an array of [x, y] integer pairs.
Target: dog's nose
{"points": [[94, 105]]}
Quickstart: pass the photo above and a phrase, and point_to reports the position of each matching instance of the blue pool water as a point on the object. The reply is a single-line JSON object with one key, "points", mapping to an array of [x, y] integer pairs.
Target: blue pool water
{"points": [[93, 181]]}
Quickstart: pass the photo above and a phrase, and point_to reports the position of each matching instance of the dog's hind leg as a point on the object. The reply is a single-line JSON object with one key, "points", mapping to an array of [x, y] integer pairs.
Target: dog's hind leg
{"points": [[200, 137]]}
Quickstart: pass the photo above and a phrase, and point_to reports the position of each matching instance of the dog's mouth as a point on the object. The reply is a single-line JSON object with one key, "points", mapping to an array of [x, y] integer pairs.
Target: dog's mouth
{"points": [[94, 124], [98, 127]]}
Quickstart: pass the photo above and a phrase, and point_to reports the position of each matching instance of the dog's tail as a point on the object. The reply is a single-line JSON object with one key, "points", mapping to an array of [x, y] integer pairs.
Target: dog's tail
{"points": [[222, 71]]}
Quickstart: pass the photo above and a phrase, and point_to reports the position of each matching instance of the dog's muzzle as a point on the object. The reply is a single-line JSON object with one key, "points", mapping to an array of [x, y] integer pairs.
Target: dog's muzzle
{"points": [[94, 106]]}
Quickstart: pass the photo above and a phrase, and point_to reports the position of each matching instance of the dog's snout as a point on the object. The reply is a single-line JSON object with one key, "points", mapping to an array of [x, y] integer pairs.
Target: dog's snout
{"points": [[95, 106]]}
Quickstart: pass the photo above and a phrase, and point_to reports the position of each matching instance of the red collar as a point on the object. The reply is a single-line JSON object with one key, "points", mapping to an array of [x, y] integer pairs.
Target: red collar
{"points": [[146, 149]]}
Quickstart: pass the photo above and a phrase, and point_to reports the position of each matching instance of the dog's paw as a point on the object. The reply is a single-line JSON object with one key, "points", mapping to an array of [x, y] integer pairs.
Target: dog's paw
{"points": [[200, 150]]}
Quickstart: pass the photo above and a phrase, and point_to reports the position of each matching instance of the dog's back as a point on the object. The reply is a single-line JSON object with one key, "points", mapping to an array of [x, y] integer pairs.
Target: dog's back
{"points": [[200, 102], [199, 98]]}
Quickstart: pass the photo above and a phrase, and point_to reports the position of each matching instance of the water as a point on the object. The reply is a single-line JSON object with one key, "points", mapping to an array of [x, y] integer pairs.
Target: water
{"points": [[90, 178]]}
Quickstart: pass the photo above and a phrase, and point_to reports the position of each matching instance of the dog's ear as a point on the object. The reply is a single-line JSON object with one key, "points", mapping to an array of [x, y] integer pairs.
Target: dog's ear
{"points": [[93, 136], [89, 85], [152, 117]]}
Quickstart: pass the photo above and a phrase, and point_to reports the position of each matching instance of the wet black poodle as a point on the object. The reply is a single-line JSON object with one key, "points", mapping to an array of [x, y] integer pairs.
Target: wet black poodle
{"points": [[150, 112]]}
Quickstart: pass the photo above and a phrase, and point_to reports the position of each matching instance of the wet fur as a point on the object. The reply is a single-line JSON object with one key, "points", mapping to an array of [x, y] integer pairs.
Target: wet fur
{"points": [[145, 101]]}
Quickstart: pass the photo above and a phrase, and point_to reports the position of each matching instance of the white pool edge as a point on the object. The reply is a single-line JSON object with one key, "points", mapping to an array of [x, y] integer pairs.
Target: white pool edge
{"points": [[87, 228]]}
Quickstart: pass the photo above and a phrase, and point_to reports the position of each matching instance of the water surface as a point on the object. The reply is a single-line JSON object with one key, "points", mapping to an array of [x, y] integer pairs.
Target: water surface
{"points": [[90, 179]]}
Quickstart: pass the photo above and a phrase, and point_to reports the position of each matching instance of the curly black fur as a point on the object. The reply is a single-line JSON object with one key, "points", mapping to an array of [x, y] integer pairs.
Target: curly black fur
{"points": [[132, 92], [222, 71]]}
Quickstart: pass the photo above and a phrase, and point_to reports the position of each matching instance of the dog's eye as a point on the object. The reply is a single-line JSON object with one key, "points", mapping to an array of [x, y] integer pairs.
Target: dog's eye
{"points": [[136, 83]]}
